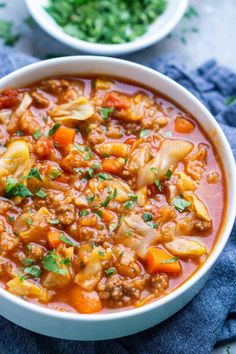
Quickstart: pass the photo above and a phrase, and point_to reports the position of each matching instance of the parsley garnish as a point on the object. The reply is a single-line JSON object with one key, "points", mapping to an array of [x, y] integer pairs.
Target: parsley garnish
{"points": [[153, 170], [112, 226], [180, 204], [33, 270], [104, 176], [34, 172], [171, 260], [67, 240], [110, 271], [168, 174], [168, 133], [105, 112], [41, 193], [54, 174], [29, 222], [147, 217], [37, 134], [50, 263], [83, 212], [14, 189], [152, 224], [27, 261], [158, 184], [54, 222], [144, 133], [54, 129], [66, 261]]}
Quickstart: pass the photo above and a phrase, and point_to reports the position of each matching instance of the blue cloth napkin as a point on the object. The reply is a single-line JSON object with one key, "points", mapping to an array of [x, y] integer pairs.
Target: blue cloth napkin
{"points": [[211, 316]]}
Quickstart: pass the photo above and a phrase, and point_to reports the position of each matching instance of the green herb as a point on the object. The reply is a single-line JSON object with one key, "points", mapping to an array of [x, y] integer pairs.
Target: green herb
{"points": [[30, 246], [50, 263], [90, 198], [33, 270], [153, 224], [105, 112], [110, 271], [114, 195], [153, 170], [112, 226], [66, 261], [121, 218], [19, 133], [229, 100], [54, 174], [158, 184], [54, 222], [54, 129], [88, 156], [11, 218], [168, 174], [41, 193], [171, 260], [98, 212], [168, 133], [6, 33], [37, 134], [27, 261], [14, 189], [103, 21], [67, 240], [34, 172], [106, 201], [191, 12], [147, 216], [180, 204], [144, 133], [83, 213], [104, 176], [101, 253], [129, 204], [29, 222], [22, 278]]}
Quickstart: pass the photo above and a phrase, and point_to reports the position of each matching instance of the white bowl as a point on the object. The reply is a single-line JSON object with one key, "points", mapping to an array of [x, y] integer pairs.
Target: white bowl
{"points": [[158, 30], [117, 324]]}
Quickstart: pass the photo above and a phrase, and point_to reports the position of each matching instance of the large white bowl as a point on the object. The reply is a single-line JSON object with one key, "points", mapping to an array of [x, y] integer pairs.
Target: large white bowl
{"points": [[117, 324], [158, 30]]}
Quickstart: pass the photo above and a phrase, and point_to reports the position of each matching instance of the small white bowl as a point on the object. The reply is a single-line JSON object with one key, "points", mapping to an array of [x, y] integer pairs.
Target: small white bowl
{"points": [[118, 324], [158, 30]]}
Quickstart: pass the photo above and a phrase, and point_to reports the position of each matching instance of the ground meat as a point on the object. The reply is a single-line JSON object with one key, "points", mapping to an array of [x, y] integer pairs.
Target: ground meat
{"points": [[114, 130], [8, 98], [5, 205], [66, 214], [95, 135], [201, 225], [92, 235], [43, 147], [73, 160], [29, 123], [118, 292], [39, 100], [55, 86], [8, 241], [7, 268], [35, 252], [159, 282]]}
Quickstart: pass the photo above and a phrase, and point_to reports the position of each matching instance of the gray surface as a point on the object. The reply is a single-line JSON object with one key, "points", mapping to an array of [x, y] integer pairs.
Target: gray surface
{"points": [[215, 38]]}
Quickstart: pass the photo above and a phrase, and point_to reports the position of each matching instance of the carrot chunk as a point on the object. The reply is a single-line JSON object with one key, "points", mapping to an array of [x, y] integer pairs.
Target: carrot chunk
{"points": [[114, 100], [85, 301], [159, 260], [183, 125], [130, 141], [64, 136], [107, 215], [113, 165], [53, 238]]}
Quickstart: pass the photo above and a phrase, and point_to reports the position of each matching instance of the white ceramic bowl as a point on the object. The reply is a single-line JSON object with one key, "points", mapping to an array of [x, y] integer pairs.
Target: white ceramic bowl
{"points": [[158, 30], [117, 324]]}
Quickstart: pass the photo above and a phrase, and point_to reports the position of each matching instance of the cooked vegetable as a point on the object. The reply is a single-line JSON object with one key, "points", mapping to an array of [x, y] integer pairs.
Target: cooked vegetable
{"points": [[198, 205], [158, 260], [64, 136], [184, 247], [85, 301], [15, 160], [183, 125]]}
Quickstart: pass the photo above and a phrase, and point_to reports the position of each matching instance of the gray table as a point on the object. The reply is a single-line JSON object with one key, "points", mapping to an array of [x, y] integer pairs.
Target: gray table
{"points": [[209, 35]]}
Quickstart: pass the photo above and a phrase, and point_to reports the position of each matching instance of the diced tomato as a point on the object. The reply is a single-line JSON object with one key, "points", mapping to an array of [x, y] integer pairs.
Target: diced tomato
{"points": [[115, 101], [8, 98]]}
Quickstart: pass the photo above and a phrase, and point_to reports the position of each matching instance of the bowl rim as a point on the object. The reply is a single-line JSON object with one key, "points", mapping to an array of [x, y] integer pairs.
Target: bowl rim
{"points": [[229, 217], [108, 49]]}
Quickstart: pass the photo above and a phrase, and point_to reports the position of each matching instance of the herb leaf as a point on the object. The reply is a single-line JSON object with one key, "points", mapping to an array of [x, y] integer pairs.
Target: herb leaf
{"points": [[105, 112], [50, 263], [33, 270], [144, 133], [180, 204], [14, 189], [171, 260], [67, 240], [54, 129], [41, 193], [37, 134]]}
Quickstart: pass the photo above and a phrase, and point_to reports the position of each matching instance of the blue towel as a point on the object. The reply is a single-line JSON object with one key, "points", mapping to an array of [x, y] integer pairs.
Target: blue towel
{"points": [[210, 317]]}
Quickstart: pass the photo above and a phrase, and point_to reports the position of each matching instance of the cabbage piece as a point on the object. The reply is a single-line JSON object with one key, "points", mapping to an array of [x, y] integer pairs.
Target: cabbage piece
{"points": [[185, 183], [138, 158], [170, 153], [184, 247], [24, 105], [137, 235], [122, 188], [88, 277], [73, 112], [28, 288], [200, 208], [15, 160], [37, 230]]}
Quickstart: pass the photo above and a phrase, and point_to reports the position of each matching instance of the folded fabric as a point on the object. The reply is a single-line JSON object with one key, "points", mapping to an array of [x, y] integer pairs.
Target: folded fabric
{"points": [[210, 316]]}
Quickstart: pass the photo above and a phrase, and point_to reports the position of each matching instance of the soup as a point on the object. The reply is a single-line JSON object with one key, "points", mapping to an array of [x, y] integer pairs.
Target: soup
{"points": [[111, 195]]}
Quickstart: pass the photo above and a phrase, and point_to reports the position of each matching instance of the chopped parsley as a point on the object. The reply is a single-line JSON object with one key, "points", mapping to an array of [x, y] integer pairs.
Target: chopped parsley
{"points": [[110, 271], [19, 133], [98, 212], [129, 204], [54, 174], [104, 176], [152, 224], [101, 253], [67, 240], [158, 184], [27, 261], [171, 260], [54, 222], [28, 221], [144, 133], [34, 172], [168, 174], [105, 112], [83, 212], [168, 133], [66, 261], [147, 217], [41, 193], [54, 129], [153, 170], [33, 270], [106, 201], [50, 263], [112, 226], [90, 198], [37, 134], [14, 189], [180, 204]]}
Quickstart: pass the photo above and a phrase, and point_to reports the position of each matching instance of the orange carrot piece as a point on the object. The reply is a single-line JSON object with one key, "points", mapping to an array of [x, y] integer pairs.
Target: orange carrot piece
{"points": [[85, 301], [183, 125], [130, 141], [53, 238], [159, 260], [113, 165], [107, 215], [64, 136]]}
